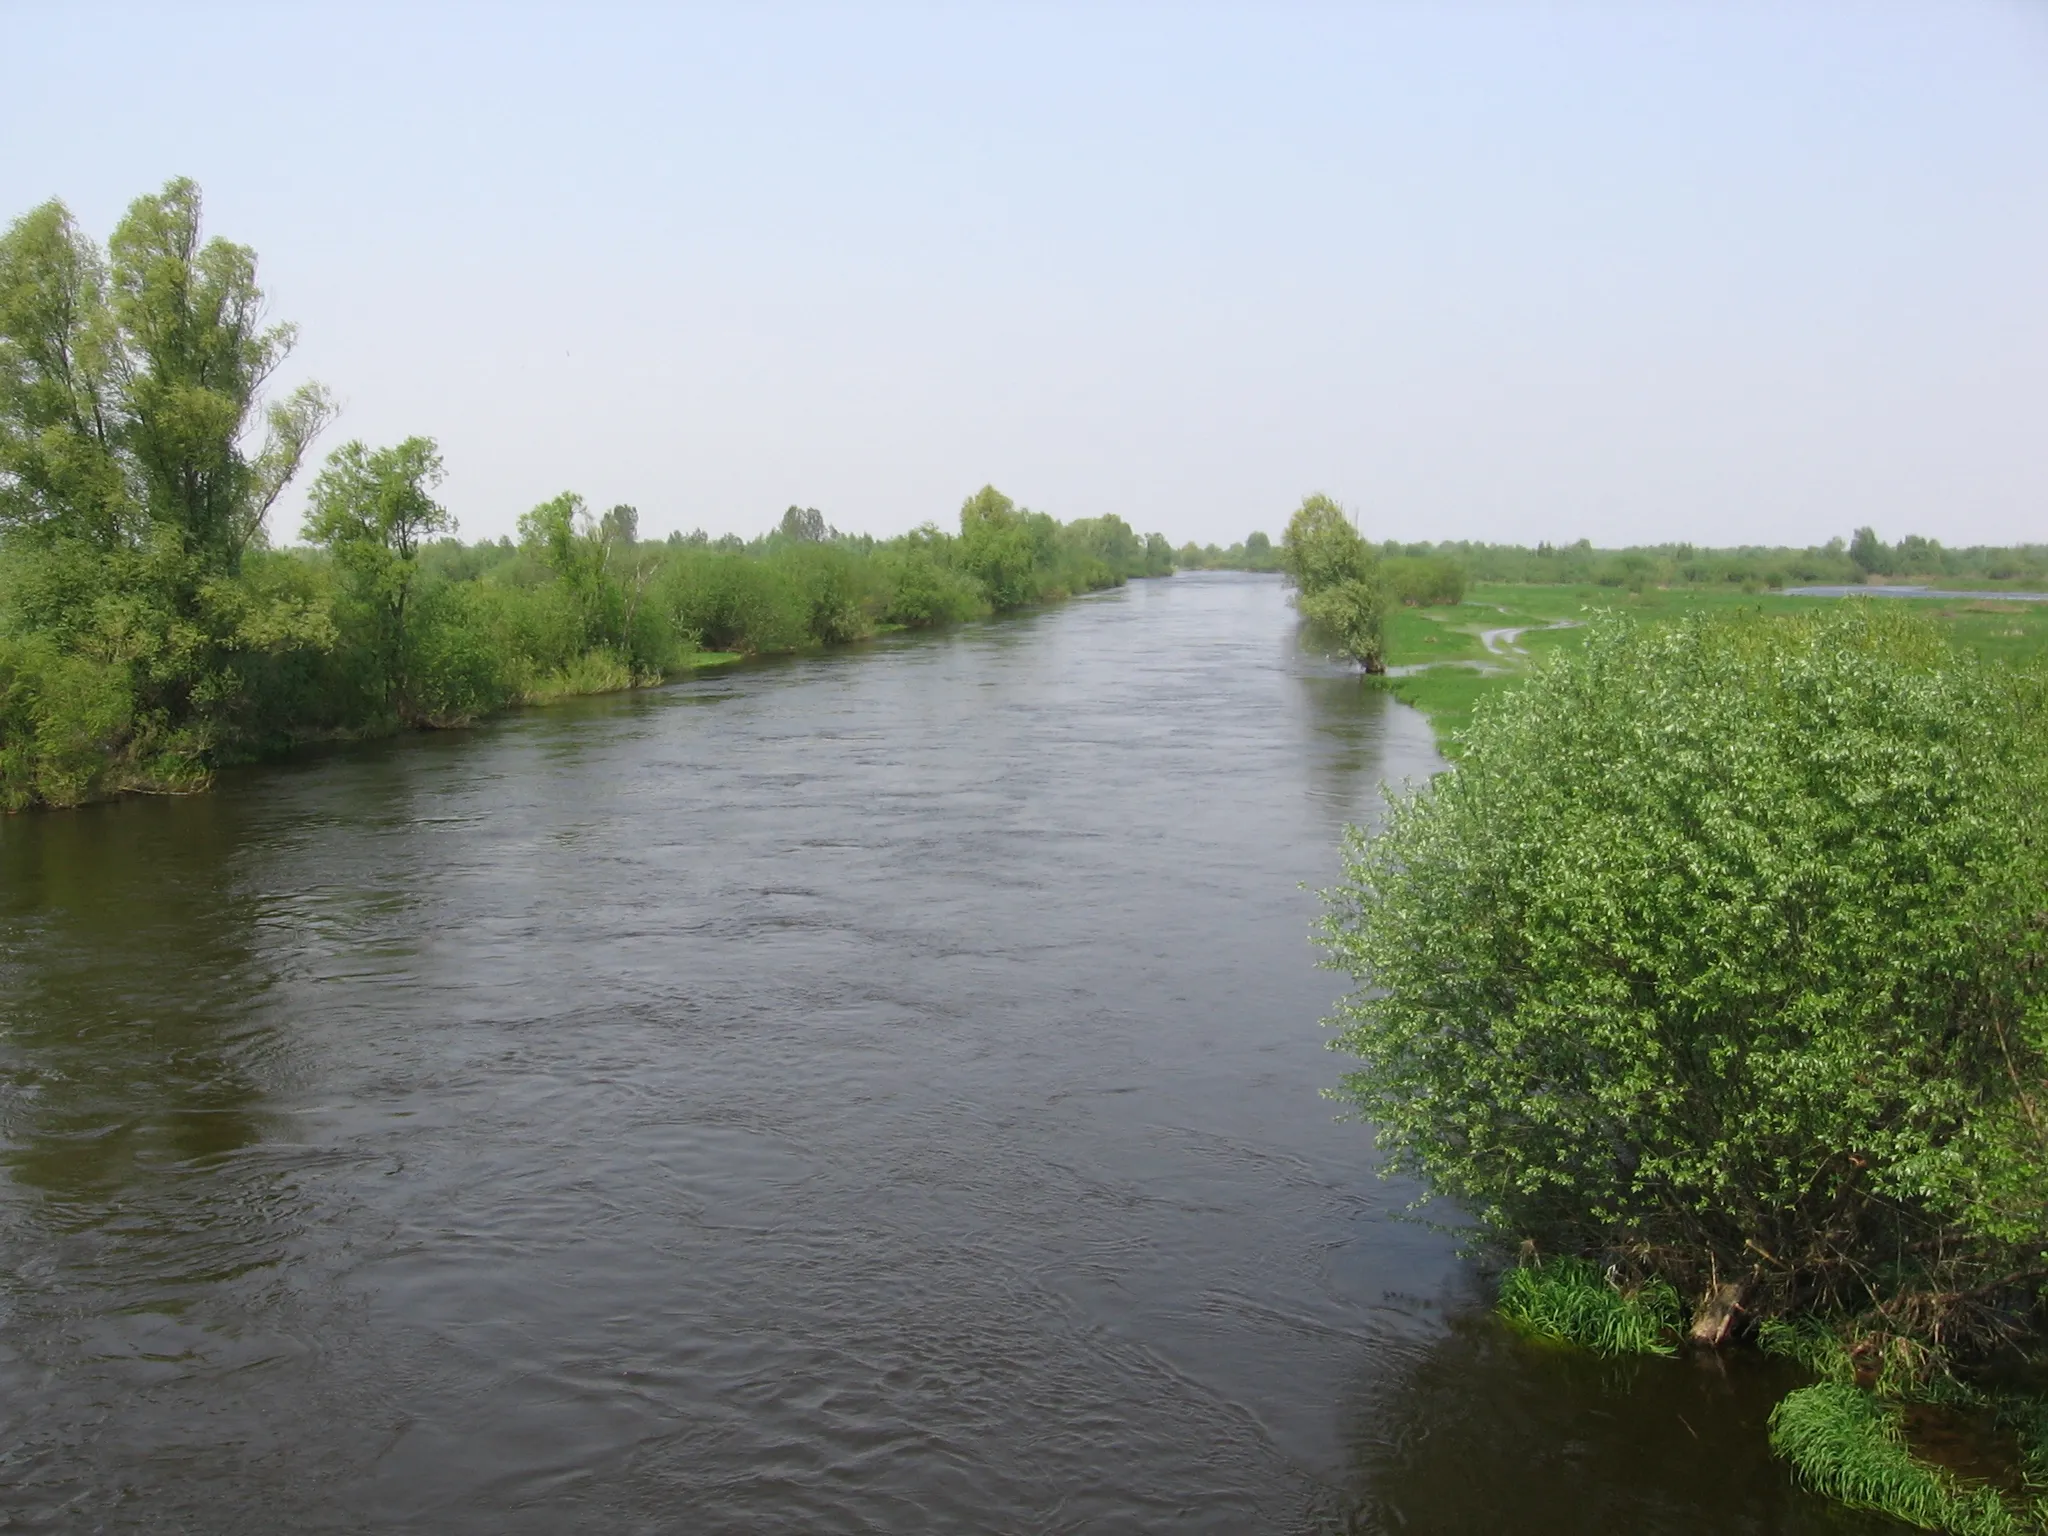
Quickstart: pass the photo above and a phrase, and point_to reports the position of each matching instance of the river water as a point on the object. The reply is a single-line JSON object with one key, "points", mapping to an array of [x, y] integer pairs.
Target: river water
{"points": [[874, 1092]]}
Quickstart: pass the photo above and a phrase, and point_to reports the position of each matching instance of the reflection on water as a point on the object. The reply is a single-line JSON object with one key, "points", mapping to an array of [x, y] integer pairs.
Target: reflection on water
{"points": [[132, 1014], [1484, 1429], [877, 1091]]}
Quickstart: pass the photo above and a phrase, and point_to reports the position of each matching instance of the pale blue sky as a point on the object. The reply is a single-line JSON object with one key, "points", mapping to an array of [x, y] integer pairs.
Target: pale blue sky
{"points": [[1635, 271]]}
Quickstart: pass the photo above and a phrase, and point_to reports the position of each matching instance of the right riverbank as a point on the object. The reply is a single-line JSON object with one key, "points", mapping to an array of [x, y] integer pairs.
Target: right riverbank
{"points": [[1439, 660]]}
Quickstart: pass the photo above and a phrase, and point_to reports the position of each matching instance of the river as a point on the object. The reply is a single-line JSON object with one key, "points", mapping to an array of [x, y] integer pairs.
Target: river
{"points": [[871, 1092]]}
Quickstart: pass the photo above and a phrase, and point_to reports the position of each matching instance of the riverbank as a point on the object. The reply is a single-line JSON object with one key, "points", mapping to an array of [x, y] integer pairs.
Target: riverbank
{"points": [[353, 639], [1440, 659]]}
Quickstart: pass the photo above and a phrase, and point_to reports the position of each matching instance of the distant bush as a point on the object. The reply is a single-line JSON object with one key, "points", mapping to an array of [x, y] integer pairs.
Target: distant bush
{"points": [[1425, 581]]}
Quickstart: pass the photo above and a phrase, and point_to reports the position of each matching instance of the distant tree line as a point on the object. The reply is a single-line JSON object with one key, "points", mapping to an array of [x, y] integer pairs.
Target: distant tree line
{"points": [[1752, 568], [1755, 568], [149, 633]]}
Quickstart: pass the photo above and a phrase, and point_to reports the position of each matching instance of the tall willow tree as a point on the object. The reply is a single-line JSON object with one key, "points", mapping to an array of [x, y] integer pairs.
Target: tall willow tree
{"points": [[1338, 575], [130, 381], [137, 463]]}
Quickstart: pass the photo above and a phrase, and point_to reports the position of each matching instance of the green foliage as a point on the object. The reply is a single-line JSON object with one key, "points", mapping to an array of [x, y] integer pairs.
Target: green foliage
{"points": [[1870, 555], [1849, 1446], [1425, 581], [592, 672], [1018, 557], [147, 633], [920, 587], [62, 717], [1575, 1301], [1353, 615], [1754, 568], [1724, 946], [139, 647], [1343, 588], [1255, 553], [372, 511], [1321, 549], [805, 525], [128, 382], [1002, 548]]}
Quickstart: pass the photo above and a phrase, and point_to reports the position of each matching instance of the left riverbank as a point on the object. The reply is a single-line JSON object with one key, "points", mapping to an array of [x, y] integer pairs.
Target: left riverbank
{"points": [[150, 633], [108, 686]]}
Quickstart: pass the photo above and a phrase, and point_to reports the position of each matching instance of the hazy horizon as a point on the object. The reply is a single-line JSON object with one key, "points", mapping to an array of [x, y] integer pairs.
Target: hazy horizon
{"points": [[1725, 274]]}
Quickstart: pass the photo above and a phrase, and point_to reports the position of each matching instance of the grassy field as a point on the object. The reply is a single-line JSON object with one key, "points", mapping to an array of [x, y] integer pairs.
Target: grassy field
{"points": [[1439, 659]]}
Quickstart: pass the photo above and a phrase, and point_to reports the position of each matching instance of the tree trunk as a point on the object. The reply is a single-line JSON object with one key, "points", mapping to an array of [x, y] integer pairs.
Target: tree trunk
{"points": [[1715, 1318]]}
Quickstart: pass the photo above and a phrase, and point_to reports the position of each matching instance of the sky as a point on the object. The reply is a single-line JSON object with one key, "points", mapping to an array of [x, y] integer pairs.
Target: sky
{"points": [[1637, 272]]}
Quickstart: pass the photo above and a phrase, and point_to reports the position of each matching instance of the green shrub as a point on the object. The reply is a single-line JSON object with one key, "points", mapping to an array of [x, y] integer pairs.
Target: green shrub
{"points": [[63, 719], [1725, 944], [920, 592], [827, 589], [1575, 1301], [1425, 581]]}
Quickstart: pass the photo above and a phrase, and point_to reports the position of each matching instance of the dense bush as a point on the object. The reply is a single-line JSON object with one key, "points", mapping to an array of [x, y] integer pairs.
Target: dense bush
{"points": [[1424, 581], [1723, 956]]}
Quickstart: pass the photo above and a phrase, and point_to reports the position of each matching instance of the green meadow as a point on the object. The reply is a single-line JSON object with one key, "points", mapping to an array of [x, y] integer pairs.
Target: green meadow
{"points": [[1440, 659]]}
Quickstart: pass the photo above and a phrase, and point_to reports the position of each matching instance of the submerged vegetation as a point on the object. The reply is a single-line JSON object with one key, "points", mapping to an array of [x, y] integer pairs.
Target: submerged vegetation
{"points": [[1851, 1446], [149, 632]]}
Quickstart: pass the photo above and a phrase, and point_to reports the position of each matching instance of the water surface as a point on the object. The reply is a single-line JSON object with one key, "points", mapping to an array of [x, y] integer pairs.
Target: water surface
{"points": [[877, 1092]]}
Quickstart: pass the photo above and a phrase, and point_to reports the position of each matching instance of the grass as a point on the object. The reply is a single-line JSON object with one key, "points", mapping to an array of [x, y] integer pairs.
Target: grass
{"points": [[604, 672], [1454, 671], [1849, 1446], [592, 672], [1809, 1342], [1574, 1301]]}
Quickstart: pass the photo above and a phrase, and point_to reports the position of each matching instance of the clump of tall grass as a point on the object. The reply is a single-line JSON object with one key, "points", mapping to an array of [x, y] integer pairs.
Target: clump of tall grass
{"points": [[592, 672], [1578, 1302], [1809, 1342], [1849, 1446], [2027, 1419]]}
